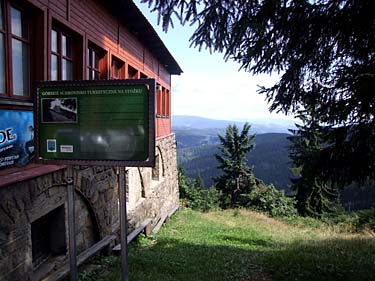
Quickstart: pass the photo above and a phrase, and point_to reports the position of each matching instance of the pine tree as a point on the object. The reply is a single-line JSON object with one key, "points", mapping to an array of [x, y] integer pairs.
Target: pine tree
{"points": [[237, 177], [184, 183], [324, 52], [314, 195], [198, 182]]}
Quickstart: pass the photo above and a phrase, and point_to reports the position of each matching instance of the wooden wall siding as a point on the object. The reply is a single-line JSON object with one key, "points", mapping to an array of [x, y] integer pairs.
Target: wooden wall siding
{"points": [[150, 62], [165, 76], [94, 22], [100, 26], [59, 7], [130, 45], [163, 127]]}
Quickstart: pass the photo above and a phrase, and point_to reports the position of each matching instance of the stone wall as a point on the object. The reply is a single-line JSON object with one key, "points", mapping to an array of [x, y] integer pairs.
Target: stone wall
{"points": [[159, 185], [150, 193], [20, 205], [98, 187]]}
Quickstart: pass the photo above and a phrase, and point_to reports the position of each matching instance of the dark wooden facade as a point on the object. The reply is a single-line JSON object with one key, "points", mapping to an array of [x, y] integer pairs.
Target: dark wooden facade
{"points": [[115, 32]]}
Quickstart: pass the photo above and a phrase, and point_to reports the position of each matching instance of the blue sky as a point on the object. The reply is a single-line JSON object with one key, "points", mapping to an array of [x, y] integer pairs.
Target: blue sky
{"points": [[209, 86]]}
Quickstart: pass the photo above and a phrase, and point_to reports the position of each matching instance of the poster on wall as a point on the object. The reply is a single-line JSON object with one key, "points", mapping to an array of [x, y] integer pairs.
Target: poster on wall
{"points": [[16, 138], [96, 122]]}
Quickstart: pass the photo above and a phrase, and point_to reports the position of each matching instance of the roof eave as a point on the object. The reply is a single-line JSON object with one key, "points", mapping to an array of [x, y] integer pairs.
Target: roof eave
{"points": [[137, 23]]}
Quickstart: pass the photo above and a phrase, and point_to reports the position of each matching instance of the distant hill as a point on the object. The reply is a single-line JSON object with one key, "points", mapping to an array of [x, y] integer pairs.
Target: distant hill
{"points": [[259, 126], [196, 149]]}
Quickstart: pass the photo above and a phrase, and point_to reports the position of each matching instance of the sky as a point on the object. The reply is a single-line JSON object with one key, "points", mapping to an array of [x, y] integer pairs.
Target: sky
{"points": [[210, 87]]}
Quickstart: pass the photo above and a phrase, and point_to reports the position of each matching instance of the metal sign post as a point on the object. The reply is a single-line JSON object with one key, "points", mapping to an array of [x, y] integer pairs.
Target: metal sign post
{"points": [[72, 231], [123, 225]]}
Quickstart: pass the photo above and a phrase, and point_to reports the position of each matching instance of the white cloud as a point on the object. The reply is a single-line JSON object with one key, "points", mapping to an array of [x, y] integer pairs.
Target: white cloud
{"points": [[224, 95]]}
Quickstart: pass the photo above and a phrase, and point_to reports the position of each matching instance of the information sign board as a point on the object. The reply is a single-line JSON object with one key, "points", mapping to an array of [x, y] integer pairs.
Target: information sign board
{"points": [[108, 122]]}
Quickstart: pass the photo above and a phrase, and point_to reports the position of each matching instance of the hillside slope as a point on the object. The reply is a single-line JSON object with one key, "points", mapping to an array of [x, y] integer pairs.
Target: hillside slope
{"points": [[196, 150]]}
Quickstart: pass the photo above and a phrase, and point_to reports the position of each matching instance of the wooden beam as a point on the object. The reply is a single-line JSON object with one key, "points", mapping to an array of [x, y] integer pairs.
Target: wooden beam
{"points": [[134, 234], [160, 223], [164, 218], [173, 210], [84, 256]]}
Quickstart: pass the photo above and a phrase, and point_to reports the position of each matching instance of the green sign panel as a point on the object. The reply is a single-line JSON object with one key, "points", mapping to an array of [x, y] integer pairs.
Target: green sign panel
{"points": [[101, 122]]}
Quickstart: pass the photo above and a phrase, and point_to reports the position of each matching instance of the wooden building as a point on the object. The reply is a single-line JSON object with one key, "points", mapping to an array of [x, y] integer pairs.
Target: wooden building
{"points": [[43, 40]]}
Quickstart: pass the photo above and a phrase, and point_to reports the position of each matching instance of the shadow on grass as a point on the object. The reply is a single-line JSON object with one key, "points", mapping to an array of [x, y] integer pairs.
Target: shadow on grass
{"points": [[253, 242], [331, 259], [177, 260], [172, 259], [335, 259]]}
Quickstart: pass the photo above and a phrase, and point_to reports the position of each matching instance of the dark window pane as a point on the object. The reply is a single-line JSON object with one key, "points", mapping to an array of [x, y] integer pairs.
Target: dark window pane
{"points": [[95, 60], [92, 53], [66, 46], [88, 57], [96, 75], [54, 41], [2, 65], [20, 65], [16, 22], [115, 72], [54, 67], [19, 26], [115, 69], [67, 73], [1, 14]]}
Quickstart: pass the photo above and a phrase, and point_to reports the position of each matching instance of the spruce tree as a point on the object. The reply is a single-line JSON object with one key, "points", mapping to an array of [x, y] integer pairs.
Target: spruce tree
{"points": [[237, 176], [314, 194]]}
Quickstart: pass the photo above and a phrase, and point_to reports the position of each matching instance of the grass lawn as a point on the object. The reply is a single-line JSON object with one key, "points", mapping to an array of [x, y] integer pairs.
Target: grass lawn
{"points": [[242, 245]]}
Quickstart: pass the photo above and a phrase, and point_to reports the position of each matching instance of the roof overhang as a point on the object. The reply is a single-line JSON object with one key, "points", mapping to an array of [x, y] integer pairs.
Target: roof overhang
{"points": [[137, 23]]}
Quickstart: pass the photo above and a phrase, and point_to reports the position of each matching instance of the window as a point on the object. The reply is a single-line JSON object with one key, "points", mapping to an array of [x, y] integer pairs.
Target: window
{"points": [[48, 236], [132, 72], [2, 50], [156, 169], [61, 55], [143, 75], [20, 52], [167, 110], [158, 100], [117, 69], [95, 60], [14, 51], [163, 102]]}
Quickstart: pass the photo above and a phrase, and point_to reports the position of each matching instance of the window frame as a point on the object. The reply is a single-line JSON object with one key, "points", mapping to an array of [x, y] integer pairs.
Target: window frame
{"points": [[132, 73], [59, 53], [163, 102], [3, 32], [101, 70], [8, 37], [121, 69], [167, 103]]}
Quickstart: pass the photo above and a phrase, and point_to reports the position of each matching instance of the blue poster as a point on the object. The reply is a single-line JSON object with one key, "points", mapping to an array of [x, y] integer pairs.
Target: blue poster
{"points": [[16, 138]]}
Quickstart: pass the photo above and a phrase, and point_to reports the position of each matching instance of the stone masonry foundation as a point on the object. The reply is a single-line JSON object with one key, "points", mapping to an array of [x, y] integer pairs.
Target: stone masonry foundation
{"points": [[150, 193]]}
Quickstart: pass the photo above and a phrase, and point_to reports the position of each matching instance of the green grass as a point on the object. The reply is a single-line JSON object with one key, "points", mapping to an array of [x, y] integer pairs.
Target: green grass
{"points": [[244, 245]]}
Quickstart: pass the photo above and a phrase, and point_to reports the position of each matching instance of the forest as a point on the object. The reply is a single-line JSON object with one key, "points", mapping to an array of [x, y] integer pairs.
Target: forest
{"points": [[196, 149]]}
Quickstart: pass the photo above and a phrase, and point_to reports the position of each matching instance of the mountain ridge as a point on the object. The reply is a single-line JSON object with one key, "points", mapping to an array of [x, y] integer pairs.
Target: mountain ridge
{"points": [[259, 126]]}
